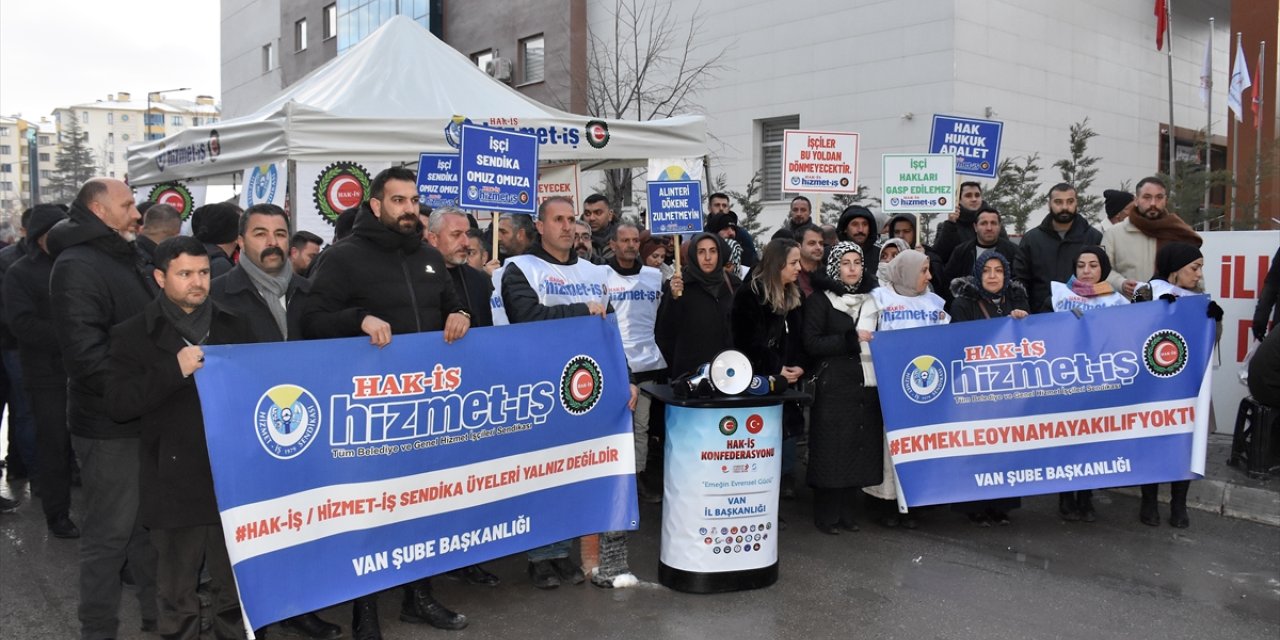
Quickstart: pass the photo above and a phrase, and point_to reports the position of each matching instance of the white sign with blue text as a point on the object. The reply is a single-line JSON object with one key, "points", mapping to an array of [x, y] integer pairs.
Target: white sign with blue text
{"points": [[499, 170]]}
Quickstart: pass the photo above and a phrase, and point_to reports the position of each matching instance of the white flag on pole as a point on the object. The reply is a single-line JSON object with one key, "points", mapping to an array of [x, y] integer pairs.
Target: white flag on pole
{"points": [[1239, 82], [1206, 72]]}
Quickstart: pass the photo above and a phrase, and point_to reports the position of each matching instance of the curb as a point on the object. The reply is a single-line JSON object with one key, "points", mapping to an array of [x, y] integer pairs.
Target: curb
{"points": [[1225, 499]]}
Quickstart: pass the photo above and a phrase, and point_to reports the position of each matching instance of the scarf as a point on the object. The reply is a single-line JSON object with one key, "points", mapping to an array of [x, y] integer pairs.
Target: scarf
{"points": [[714, 282], [194, 326], [1089, 290], [271, 288], [905, 270], [833, 266], [1165, 229], [983, 294]]}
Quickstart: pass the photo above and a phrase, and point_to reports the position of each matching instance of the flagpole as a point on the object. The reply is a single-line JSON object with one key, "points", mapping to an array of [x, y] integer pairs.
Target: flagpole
{"points": [[1235, 140], [1258, 95], [1208, 125], [1173, 173]]}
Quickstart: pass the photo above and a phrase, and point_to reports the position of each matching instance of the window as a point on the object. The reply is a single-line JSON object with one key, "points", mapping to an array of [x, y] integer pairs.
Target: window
{"points": [[156, 119], [6, 168], [125, 137], [531, 67], [300, 35], [111, 117], [111, 138], [483, 58], [771, 155], [175, 121], [5, 149], [6, 186], [111, 157], [4, 131], [124, 117], [331, 21], [45, 174], [268, 58], [84, 117], [43, 139], [44, 157]]}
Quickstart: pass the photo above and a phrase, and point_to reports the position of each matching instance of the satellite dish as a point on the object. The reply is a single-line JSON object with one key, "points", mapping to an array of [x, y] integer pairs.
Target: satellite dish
{"points": [[731, 372]]}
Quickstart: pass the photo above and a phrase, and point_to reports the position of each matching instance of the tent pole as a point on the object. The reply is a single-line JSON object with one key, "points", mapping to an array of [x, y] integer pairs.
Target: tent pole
{"points": [[291, 194]]}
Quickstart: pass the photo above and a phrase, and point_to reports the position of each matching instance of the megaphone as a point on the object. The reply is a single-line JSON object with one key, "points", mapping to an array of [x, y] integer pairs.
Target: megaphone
{"points": [[729, 373]]}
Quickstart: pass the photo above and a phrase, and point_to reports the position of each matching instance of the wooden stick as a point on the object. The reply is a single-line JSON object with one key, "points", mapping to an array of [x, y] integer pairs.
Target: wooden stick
{"points": [[677, 256], [496, 233]]}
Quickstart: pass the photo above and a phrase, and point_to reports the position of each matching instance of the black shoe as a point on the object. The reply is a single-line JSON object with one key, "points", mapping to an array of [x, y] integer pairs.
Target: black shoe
{"points": [[474, 574], [829, 529], [7, 505], [364, 619], [1149, 514], [849, 525], [421, 607], [309, 625], [1178, 517], [61, 526], [543, 574], [1068, 508], [568, 571], [890, 521], [999, 517], [979, 520], [1085, 506], [909, 522]]}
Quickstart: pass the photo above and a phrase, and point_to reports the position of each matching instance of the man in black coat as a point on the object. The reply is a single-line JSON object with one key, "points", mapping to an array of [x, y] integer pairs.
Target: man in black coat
{"points": [[149, 379], [987, 235], [215, 224], [97, 282], [381, 281], [958, 228], [27, 312], [858, 225], [1048, 252], [21, 458], [263, 288]]}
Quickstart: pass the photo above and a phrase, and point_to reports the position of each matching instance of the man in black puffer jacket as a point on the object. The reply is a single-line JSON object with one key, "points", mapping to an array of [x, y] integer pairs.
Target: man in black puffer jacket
{"points": [[98, 282], [858, 225], [1048, 252]]}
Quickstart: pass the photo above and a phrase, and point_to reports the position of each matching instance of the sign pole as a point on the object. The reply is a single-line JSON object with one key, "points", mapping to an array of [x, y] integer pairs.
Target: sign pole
{"points": [[677, 257], [494, 227]]}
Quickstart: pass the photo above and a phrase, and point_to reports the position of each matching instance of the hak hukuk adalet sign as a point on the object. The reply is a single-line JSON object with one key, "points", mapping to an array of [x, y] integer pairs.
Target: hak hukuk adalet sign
{"points": [[975, 143]]}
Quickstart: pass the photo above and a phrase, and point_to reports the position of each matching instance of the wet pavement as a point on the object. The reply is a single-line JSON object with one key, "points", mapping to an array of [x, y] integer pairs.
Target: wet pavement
{"points": [[1038, 578]]}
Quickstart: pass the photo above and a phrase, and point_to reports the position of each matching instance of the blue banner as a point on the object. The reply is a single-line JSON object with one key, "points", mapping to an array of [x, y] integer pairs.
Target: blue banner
{"points": [[499, 170], [1053, 402], [675, 206], [438, 179], [342, 469], [975, 143]]}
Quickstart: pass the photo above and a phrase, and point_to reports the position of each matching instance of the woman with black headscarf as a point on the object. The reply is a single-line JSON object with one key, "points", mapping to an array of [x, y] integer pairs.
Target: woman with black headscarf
{"points": [[693, 319], [845, 426], [1087, 288], [989, 293]]}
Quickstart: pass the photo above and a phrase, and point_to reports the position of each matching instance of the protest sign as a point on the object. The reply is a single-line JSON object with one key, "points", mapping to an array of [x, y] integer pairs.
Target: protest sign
{"points": [[499, 170], [1049, 403], [825, 161], [560, 179], [1235, 266], [342, 469], [918, 183], [975, 143], [438, 179], [675, 206]]}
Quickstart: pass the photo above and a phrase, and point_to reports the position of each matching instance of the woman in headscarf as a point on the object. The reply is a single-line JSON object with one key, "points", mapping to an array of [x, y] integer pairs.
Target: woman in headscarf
{"points": [[845, 426], [654, 254], [904, 302], [734, 267], [1178, 273], [1087, 288], [990, 292], [888, 252], [693, 318]]}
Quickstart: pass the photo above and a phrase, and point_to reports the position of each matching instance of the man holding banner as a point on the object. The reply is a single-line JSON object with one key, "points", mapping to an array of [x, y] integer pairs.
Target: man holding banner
{"points": [[386, 281]]}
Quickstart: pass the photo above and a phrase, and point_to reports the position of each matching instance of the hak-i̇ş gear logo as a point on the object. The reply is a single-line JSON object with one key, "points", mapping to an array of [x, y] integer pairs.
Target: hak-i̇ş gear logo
{"points": [[286, 420], [341, 185], [1165, 353], [581, 385], [174, 194], [597, 133]]}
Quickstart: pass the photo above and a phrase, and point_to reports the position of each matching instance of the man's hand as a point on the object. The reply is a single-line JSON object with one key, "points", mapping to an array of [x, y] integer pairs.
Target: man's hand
{"points": [[954, 215], [1017, 314], [635, 395], [677, 285], [190, 359], [597, 309], [792, 374], [378, 330], [1128, 287], [865, 336], [491, 266], [455, 326]]}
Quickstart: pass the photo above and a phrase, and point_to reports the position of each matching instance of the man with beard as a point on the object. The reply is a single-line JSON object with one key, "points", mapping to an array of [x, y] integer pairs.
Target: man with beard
{"points": [[858, 225], [958, 228], [722, 221], [447, 231], [1048, 252], [1147, 225], [987, 230], [582, 244], [97, 282], [812, 252], [383, 281], [599, 215], [800, 214], [153, 356], [304, 246], [515, 234]]}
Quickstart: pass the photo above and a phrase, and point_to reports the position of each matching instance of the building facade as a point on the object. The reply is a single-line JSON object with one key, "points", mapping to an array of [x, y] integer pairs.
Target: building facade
{"points": [[28, 156]]}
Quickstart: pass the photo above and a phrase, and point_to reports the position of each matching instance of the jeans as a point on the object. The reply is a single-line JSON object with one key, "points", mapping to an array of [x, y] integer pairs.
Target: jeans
{"points": [[53, 445], [552, 551], [181, 552], [22, 426], [111, 535], [640, 427]]}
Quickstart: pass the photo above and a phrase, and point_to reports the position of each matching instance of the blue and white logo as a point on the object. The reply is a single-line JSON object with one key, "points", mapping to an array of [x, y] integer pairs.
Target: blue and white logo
{"points": [[262, 184], [924, 379], [286, 420]]}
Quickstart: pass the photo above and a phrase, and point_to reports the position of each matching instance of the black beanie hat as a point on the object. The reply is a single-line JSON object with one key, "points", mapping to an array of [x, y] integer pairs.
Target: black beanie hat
{"points": [[1103, 261], [1174, 256], [216, 223], [43, 217], [1115, 201]]}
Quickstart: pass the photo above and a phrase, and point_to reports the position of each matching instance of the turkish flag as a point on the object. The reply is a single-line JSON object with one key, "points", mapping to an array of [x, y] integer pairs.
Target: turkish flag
{"points": [[1254, 90], [1162, 23]]}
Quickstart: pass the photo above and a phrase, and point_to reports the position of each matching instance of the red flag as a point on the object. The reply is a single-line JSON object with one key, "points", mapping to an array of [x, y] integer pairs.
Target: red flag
{"points": [[1254, 91], [1162, 23]]}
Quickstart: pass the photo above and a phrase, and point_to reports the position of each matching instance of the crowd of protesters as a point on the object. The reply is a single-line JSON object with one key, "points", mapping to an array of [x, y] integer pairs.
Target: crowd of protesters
{"points": [[106, 308]]}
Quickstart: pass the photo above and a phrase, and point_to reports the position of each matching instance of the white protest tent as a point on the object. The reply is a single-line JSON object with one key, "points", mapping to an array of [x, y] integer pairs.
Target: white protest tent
{"points": [[399, 92]]}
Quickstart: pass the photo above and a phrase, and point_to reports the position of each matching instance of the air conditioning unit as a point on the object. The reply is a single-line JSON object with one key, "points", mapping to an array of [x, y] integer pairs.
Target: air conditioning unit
{"points": [[499, 69]]}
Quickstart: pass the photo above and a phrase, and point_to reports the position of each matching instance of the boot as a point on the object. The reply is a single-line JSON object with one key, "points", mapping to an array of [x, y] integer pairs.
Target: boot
{"points": [[1149, 513], [364, 619], [1084, 505], [1178, 504], [421, 607], [1067, 506]]}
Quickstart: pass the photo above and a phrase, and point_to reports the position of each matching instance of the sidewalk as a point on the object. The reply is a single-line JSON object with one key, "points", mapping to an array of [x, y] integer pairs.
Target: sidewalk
{"points": [[1227, 490]]}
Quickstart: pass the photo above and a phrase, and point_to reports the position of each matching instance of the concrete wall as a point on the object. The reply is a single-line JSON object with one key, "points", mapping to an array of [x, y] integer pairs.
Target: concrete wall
{"points": [[247, 25], [295, 64]]}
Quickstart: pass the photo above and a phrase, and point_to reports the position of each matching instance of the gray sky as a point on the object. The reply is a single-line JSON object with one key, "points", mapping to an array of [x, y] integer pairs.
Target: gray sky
{"points": [[60, 52]]}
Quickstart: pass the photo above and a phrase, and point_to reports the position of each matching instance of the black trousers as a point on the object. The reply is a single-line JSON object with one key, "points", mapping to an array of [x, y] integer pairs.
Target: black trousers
{"points": [[832, 507], [181, 553], [53, 448]]}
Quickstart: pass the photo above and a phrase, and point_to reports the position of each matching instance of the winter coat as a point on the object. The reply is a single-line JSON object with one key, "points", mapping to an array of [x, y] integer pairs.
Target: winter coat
{"points": [[9, 256], [520, 299], [98, 281], [235, 292], [145, 384], [378, 272], [1043, 257], [870, 249], [953, 234], [961, 263], [219, 262], [770, 341], [1132, 254], [694, 328], [969, 305], [846, 430], [28, 312], [474, 289]]}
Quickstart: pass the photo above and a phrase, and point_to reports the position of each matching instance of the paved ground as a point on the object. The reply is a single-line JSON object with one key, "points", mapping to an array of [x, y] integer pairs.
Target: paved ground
{"points": [[1039, 578]]}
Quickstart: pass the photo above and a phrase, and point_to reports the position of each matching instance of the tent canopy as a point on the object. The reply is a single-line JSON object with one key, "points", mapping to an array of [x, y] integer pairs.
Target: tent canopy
{"points": [[400, 92]]}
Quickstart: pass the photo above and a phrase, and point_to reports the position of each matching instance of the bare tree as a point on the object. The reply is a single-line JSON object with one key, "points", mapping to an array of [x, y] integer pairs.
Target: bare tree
{"points": [[647, 66]]}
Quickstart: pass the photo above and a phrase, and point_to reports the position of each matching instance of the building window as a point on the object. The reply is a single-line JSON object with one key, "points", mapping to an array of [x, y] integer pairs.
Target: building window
{"points": [[331, 21], [4, 131], [268, 58], [84, 117], [43, 139], [124, 117], [111, 157], [44, 157], [111, 117], [6, 186], [300, 35], [45, 174], [483, 58], [531, 67], [771, 155], [6, 168], [175, 121], [111, 138], [5, 149]]}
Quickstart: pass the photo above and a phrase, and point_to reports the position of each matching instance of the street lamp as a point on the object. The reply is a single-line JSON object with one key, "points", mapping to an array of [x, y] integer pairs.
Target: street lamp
{"points": [[146, 118]]}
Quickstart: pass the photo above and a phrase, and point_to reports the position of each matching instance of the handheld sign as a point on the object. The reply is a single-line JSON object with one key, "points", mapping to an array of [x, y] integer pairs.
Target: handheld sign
{"points": [[975, 143], [824, 161], [499, 170], [675, 206], [918, 182], [438, 179]]}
